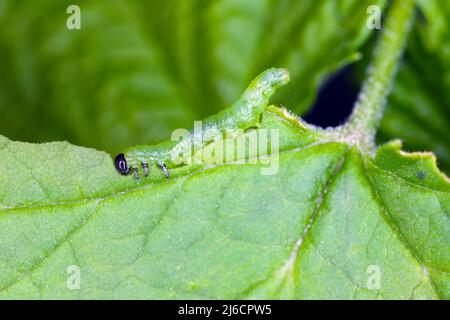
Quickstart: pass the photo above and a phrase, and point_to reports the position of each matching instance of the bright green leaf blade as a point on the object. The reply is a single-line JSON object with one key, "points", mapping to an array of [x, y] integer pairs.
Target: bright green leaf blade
{"points": [[322, 227], [137, 70]]}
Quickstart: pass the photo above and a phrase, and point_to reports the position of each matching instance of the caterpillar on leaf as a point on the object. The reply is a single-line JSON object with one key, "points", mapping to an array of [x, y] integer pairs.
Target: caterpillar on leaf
{"points": [[244, 114]]}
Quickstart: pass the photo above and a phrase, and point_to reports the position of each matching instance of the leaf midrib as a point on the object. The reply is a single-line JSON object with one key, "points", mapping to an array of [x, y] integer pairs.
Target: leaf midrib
{"points": [[305, 233], [297, 244], [387, 217]]}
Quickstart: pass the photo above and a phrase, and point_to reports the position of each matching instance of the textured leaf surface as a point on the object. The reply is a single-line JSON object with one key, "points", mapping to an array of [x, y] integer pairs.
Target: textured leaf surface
{"points": [[313, 230], [139, 69], [333, 222]]}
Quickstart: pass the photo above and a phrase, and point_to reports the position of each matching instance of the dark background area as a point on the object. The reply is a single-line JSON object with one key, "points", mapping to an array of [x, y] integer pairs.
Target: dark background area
{"points": [[335, 100]]}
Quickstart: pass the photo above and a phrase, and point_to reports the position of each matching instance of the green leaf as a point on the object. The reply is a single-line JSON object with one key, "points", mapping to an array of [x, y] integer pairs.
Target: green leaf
{"points": [[335, 221], [418, 107], [325, 226], [139, 69]]}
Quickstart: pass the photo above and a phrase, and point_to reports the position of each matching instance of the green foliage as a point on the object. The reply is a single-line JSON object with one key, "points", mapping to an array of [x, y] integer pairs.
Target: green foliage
{"points": [[338, 219], [139, 69], [313, 230], [419, 106]]}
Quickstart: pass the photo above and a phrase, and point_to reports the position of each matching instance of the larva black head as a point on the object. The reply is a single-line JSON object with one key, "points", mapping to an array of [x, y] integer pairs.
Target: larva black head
{"points": [[121, 164]]}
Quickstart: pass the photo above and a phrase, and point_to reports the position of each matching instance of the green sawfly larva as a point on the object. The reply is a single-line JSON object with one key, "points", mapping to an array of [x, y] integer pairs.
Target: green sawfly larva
{"points": [[244, 114]]}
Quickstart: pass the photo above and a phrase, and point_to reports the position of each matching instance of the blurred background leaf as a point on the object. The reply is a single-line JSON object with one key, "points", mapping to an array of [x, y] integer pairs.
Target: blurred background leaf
{"points": [[419, 106], [139, 69]]}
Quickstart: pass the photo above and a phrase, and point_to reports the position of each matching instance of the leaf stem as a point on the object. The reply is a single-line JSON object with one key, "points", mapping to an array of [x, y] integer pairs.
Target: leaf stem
{"points": [[364, 120]]}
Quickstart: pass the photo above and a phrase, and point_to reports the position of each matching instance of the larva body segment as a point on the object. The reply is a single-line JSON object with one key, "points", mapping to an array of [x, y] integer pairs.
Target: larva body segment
{"points": [[244, 114]]}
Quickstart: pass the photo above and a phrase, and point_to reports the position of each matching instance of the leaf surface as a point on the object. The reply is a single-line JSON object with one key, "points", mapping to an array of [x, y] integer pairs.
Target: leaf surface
{"points": [[324, 226]]}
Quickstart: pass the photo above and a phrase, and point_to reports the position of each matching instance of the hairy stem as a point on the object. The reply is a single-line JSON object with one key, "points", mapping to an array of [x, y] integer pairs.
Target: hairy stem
{"points": [[364, 120]]}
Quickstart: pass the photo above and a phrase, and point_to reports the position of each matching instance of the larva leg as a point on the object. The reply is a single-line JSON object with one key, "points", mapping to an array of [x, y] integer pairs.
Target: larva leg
{"points": [[145, 167], [136, 173], [163, 167]]}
